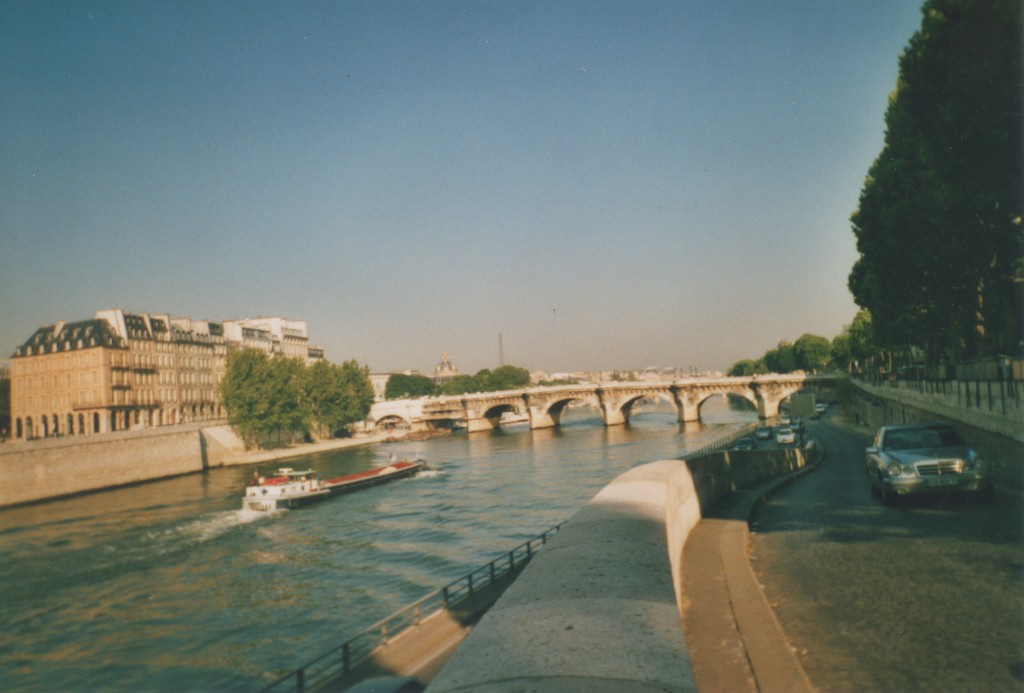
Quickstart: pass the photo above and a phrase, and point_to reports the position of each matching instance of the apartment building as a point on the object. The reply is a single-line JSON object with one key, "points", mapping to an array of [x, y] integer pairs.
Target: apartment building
{"points": [[125, 371]]}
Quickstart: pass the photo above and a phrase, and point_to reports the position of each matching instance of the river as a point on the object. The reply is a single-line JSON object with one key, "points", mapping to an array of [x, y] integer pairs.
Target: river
{"points": [[170, 586]]}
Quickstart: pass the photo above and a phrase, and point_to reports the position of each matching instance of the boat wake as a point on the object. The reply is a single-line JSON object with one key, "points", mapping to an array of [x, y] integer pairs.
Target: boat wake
{"points": [[215, 525]]}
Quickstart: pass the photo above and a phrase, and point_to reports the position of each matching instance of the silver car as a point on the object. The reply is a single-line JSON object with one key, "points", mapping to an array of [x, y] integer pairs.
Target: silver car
{"points": [[924, 459]]}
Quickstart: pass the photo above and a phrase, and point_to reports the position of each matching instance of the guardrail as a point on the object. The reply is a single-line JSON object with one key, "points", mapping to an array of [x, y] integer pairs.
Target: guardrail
{"points": [[725, 442], [344, 658]]}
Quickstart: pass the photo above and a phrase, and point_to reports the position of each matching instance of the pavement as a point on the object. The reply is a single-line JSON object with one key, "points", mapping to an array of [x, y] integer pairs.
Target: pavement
{"points": [[734, 640]]}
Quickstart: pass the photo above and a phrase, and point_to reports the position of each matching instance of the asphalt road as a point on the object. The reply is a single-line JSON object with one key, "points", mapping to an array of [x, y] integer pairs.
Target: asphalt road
{"points": [[925, 596]]}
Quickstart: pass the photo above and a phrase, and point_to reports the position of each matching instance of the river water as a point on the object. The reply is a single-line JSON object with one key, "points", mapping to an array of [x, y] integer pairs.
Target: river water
{"points": [[170, 586]]}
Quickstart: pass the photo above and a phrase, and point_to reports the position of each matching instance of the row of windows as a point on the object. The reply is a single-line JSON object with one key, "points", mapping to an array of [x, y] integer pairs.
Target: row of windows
{"points": [[68, 400], [83, 378], [64, 362], [118, 379]]}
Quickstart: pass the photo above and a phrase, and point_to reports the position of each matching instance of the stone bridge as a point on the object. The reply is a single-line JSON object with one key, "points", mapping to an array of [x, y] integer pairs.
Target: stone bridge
{"points": [[544, 405]]}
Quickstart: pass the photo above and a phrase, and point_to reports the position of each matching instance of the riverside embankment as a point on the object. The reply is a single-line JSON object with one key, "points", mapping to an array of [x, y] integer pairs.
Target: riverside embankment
{"points": [[600, 608], [59, 467]]}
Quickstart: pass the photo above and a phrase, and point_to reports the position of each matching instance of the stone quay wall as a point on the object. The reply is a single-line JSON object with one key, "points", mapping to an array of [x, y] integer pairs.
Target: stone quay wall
{"points": [[53, 468]]}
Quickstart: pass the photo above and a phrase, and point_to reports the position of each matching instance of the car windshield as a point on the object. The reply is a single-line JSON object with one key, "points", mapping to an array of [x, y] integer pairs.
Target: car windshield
{"points": [[925, 437]]}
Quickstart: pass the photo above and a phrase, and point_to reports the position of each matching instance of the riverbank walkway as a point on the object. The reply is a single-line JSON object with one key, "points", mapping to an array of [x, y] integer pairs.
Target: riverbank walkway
{"points": [[597, 609], [300, 450]]}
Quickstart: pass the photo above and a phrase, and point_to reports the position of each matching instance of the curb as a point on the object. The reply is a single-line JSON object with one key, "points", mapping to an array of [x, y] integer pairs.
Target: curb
{"points": [[734, 638]]}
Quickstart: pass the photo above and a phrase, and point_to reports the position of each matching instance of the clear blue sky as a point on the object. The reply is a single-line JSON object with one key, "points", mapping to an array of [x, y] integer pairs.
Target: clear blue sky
{"points": [[607, 184]]}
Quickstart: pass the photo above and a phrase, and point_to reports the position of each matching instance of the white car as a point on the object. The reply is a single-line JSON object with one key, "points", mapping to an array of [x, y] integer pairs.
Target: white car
{"points": [[785, 436]]}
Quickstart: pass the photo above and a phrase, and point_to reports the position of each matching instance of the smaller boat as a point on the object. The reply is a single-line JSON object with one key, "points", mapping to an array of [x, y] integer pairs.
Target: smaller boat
{"points": [[288, 488]]}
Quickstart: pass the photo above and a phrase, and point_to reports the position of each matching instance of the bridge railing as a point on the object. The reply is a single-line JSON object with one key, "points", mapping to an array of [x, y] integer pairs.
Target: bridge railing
{"points": [[345, 657]]}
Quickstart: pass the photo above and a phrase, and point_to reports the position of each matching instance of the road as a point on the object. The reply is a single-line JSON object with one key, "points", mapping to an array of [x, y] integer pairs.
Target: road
{"points": [[925, 596]]}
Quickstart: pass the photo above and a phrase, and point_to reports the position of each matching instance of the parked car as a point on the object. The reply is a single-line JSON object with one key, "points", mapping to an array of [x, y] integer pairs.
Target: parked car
{"points": [[924, 459], [785, 420], [764, 433], [785, 436], [744, 444]]}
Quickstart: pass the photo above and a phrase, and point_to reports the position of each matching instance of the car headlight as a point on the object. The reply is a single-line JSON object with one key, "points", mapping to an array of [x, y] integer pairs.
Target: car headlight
{"points": [[894, 469]]}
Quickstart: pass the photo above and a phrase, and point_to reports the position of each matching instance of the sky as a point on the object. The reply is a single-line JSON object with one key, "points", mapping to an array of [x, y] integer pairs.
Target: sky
{"points": [[605, 185]]}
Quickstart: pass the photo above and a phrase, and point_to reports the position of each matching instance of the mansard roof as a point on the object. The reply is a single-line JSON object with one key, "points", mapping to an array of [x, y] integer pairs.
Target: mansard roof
{"points": [[70, 336]]}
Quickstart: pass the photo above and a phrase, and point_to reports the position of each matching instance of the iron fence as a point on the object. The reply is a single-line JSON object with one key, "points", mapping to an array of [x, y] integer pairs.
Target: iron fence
{"points": [[345, 657]]}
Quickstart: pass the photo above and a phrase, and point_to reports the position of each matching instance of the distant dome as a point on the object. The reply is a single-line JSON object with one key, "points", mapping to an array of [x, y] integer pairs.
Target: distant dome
{"points": [[445, 370]]}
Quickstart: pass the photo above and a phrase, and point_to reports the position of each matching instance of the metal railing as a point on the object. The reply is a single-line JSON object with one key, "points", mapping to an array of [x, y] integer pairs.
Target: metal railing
{"points": [[722, 443], [344, 658]]}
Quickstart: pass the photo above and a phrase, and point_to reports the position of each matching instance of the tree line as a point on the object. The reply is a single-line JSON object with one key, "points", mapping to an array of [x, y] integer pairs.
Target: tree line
{"points": [[411, 386], [267, 397], [847, 351], [938, 225]]}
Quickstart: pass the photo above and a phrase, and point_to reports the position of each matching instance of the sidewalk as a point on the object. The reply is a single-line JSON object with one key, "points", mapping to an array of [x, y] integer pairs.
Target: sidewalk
{"points": [[734, 640], [300, 450]]}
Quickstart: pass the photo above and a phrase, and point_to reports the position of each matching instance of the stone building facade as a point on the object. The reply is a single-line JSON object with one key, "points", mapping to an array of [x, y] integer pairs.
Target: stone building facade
{"points": [[128, 371]]}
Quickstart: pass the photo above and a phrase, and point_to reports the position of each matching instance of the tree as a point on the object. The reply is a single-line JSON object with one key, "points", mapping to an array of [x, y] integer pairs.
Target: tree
{"points": [[267, 396], [460, 385], [401, 386], [780, 359], [337, 396], [244, 392], [938, 224], [357, 393], [509, 378], [840, 351], [287, 410], [743, 368], [812, 353]]}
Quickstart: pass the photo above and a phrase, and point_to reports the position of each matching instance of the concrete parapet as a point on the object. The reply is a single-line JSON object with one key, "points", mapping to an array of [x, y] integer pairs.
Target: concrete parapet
{"points": [[594, 611], [1003, 416], [600, 608]]}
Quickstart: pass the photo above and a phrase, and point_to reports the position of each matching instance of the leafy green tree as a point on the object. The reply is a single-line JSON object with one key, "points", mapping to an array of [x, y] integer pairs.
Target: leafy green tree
{"points": [[812, 353], [401, 386], [743, 368], [862, 337], [938, 225], [244, 392], [357, 393], [337, 396], [840, 351], [288, 410], [780, 359], [460, 385], [266, 397], [509, 378]]}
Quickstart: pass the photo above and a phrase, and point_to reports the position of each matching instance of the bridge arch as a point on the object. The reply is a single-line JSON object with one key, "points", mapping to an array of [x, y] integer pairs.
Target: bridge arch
{"points": [[493, 414], [729, 396], [391, 422], [622, 410], [546, 409]]}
